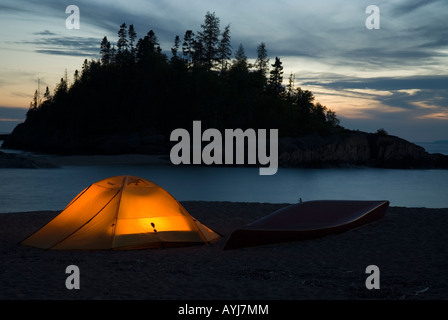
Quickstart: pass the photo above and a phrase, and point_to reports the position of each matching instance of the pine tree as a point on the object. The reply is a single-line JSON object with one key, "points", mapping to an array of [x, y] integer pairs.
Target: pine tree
{"points": [[225, 48], [85, 67], [198, 54], [122, 44], [332, 120], [188, 47], [105, 51], [61, 89], [240, 63], [153, 42], [47, 94], [35, 102], [290, 86], [75, 76], [262, 62], [175, 48], [209, 40], [122, 55], [304, 98], [148, 46], [132, 36], [276, 77], [113, 55]]}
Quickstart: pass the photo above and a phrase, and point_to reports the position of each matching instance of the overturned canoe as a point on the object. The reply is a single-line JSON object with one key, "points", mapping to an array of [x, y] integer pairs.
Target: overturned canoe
{"points": [[307, 220]]}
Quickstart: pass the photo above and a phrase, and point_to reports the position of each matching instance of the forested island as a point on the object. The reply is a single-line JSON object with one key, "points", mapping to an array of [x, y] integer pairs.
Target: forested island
{"points": [[136, 94]]}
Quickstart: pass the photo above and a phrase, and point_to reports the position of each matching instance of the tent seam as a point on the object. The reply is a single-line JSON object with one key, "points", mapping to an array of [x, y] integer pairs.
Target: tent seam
{"points": [[85, 223], [79, 196], [44, 225], [195, 221], [118, 211]]}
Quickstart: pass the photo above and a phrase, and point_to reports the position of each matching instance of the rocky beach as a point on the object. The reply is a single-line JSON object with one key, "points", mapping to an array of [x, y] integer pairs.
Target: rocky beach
{"points": [[407, 245]]}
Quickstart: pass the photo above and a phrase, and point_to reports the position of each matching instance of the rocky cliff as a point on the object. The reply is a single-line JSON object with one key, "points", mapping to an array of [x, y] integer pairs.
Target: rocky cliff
{"points": [[356, 148], [341, 148]]}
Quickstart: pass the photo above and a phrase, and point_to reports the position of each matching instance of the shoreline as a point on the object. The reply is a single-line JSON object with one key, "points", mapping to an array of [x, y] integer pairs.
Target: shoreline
{"points": [[103, 160], [218, 202], [343, 149], [408, 246]]}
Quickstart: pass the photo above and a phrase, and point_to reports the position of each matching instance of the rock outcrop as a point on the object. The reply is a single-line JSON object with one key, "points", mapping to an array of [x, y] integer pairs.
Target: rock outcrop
{"points": [[9, 160], [341, 148], [356, 148], [71, 143]]}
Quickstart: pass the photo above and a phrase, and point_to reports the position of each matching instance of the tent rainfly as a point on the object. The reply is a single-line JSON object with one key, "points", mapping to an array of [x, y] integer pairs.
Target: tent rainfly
{"points": [[123, 212]]}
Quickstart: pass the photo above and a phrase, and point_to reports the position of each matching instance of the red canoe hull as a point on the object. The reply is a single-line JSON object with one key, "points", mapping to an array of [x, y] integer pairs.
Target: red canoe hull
{"points": [[307, 220]]}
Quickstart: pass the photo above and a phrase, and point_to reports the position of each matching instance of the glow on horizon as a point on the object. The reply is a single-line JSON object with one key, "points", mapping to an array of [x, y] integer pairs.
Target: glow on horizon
{"points": [[436, 116]]}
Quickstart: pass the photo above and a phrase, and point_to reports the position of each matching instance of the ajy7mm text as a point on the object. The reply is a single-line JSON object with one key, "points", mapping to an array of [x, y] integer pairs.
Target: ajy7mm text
{"points": [[234, 310]]}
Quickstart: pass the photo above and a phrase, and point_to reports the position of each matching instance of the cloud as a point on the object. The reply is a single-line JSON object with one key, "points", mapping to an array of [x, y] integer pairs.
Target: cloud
{"points": [[327, 31], [435, 116], [70, 46], [45, 33], [431, 82], [76, 53], [407, 7], [384, 99]]}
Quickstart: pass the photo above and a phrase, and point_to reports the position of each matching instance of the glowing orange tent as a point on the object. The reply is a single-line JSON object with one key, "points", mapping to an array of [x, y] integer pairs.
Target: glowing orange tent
{"points": [[122, 212]]}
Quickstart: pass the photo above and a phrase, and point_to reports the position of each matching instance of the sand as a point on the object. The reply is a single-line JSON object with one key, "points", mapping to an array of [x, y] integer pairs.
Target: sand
{"points": [[409, 245]]}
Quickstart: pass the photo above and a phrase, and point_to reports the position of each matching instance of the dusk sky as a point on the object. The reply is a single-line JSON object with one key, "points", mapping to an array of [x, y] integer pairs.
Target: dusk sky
{"points": [[395, 77]]}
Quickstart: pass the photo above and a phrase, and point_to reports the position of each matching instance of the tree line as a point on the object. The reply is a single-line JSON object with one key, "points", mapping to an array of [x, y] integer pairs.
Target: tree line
{"points": [[135, 86]]}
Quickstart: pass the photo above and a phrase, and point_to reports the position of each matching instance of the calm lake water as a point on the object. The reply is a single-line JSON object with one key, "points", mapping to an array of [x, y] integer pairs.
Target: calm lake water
{"points": [[52, 189]]}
